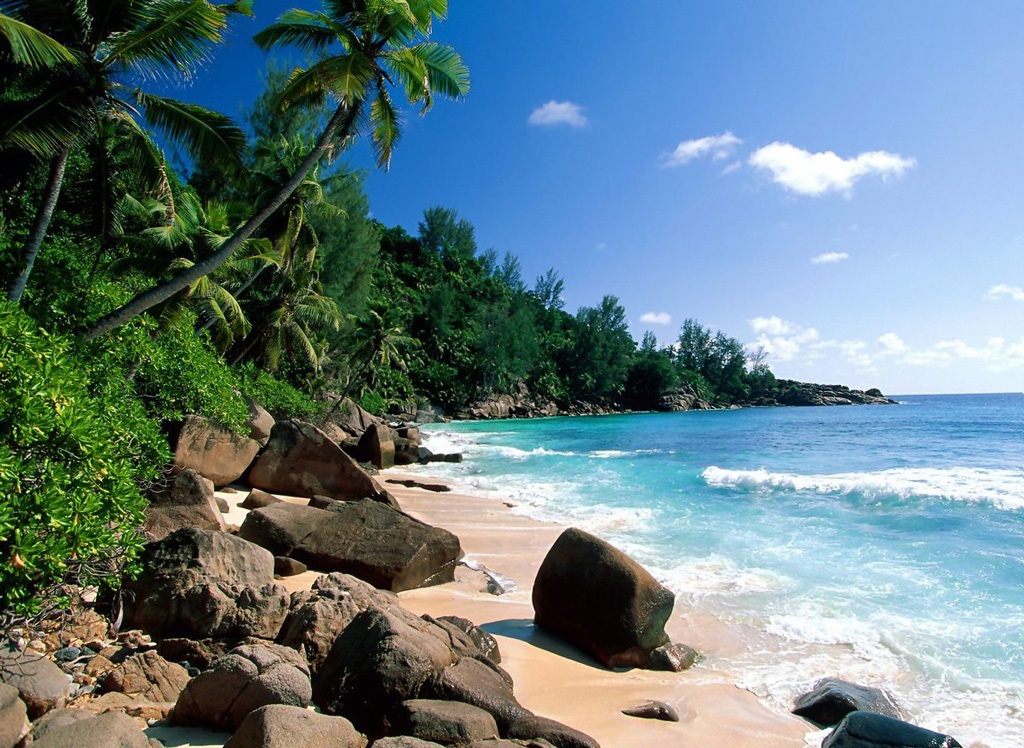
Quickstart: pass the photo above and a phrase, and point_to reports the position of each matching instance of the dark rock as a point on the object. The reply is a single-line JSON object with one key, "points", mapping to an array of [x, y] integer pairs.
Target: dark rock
{"points": [[318, 616], [673, 657], [367, 539], [281, 726], [435, 487], [559, 735], [213, 452], [13, 717], [257, 499], [599, 599], [185, 500], [149, 676], [222, 504], [300, 460], [445, 722], [259, 422], [481, 684], [41, 684], [351, 418], [321, 502], [198, 654], [788, 392], [288, 567], [404, 741], [377, 446], [653, 710], [832, 699], [382, 658], [244, 680], [200, 585], [870, 730], [67, 654], [406, 452], [56, 719], [426, 457], [486, 643], [110, 730]]}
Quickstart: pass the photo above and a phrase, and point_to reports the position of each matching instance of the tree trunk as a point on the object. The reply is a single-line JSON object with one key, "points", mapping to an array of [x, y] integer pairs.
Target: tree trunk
{"points": [[42, 223], [342, 122]]}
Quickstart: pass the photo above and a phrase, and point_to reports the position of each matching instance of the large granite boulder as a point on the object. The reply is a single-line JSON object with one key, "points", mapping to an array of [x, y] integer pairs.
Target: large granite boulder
{"points": [[377, 446], [200, 584], [110, 730], [351, 418], [282, 726], [559, 735], [301, 460], [319, 615], [212, 451], [870, 730], [13, 717], [259, 422], [445, 722], [366, 539], [149, 676], [473, 680], [41, 685], [832, 699], [247, 678], [599, 599], [183, 500]]}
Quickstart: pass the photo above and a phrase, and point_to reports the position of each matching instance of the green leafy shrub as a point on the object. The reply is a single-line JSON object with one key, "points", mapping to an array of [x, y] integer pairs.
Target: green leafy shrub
{"points": [[373, 403], [74, 449], [279, 398]]}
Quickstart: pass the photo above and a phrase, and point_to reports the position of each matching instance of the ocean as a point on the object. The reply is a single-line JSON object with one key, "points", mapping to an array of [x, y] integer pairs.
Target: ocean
{"points": [[880, 544]]}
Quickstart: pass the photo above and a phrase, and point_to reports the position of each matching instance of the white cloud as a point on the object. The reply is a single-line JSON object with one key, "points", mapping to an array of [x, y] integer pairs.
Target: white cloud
{"points": [[892, 344], [807, 173], [997, 292], [734, 166], [558, 113], [829, 258], [656, 318], [719, 146], [781, 340], [772, 326]]}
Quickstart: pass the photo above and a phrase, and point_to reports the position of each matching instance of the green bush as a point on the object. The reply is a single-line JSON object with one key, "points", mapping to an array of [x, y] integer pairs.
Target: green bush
{"points": [[373, 403], [279, 398], [74, 449]]}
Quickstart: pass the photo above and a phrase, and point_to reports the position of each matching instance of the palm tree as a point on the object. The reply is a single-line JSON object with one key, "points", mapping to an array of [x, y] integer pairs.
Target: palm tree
{"points": [[75, 63], [378, 344], [382, 43]]}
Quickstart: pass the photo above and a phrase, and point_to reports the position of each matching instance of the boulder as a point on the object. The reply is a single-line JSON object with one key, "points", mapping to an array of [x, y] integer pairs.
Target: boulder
{"points": [[599, 599], [13, 717], [258, 499], [301, 460], [673, 657], [41, 685], [259, 422], [445, 722], [318, 616], [404, 741], [406, 452], [214, 452], [870, 730], [351, 418], [653, 710], [559, 735], [282, 726], [832, 699], [475, 682], [199, 584], [244, 680], [288, 567], [56, 719], [486, 643], [381, 659], [149, 676], [377, 446], [367, 539], [184, 500], [110, 730]]}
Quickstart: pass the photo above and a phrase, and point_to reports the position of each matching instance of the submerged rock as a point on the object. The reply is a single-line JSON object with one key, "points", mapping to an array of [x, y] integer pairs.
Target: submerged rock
{"points": [[832, 699], [869, 730]]}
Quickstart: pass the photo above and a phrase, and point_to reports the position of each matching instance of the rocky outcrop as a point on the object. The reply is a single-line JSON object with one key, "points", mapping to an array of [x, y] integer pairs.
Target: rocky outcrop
{"points": [[148, 676], [247, 678], [832, 699], [377, 446], [110, 730], [683, 398], [301, 460], [200, 584], [214, 452], [367, 539], [869, 730], [282, 726], [788, 392], [599, 599], [182, 500]]}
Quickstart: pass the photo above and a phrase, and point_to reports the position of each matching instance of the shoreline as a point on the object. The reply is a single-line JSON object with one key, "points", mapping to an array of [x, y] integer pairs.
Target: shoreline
{"points": [[556, 680]]}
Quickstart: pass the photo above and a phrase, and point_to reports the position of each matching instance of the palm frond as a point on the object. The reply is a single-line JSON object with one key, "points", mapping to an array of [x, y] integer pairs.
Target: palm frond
{"points": [[32, 48], [308, 31], [208, 135], [386, 128]]}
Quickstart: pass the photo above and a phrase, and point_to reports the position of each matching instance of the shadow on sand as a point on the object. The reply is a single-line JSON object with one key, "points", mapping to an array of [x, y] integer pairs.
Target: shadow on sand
{"points": [[524, 630]]}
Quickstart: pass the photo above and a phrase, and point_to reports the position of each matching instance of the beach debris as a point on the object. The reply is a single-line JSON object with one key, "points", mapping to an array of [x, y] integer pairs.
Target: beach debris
{"points": [[368, 539], [41, 685], [673, 657], [247, 678], [445, 722], [214, 452], [597, 598], [832, 699], [653, 710], [184, 500], [409, 483], [203, 584], [870, 730], [284, 726]]}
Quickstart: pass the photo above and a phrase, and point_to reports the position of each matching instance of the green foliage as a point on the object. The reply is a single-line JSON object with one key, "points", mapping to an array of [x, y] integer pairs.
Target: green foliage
{"points": [[373, 403], [279, 398], [74, 447], [650, 376]]}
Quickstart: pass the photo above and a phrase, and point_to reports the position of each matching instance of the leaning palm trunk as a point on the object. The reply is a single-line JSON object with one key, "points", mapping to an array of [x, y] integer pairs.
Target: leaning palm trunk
{"points": [[340, 126], [42, 223]]}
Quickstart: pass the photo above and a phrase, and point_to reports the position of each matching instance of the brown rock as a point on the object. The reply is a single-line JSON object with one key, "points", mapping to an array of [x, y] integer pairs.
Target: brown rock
{"points": [[198, 654], [185, 500], [673, 657], [13, 717], [653, 710], [212, 451], [280, 726], [482, 684], [288, 567], [445, 722], [300, 460], [257, 499], [559, 735], [259, 421], [111, 730], [137, 707], [599, 599], [40, 683], [148, 676], [377, 446]]}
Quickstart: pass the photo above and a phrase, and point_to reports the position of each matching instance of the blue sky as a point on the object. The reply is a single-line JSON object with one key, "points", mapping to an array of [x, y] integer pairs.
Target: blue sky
{"points": [[841, 183]]}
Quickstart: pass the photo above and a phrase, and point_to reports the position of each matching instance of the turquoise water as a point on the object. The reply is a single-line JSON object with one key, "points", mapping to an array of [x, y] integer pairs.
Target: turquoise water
{"points": [[883, 544]]}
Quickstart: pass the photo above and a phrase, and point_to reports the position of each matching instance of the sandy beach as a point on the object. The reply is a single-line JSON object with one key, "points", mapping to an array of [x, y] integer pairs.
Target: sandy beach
{"points": [[556, 680]]}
